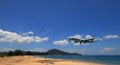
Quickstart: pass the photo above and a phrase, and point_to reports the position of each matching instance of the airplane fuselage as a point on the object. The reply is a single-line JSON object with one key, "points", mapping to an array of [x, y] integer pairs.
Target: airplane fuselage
{"points": [[81, 41]]}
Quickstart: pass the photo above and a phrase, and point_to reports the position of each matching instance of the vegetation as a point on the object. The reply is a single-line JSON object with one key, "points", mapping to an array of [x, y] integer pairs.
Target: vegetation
{"points": [[59, 52], [15, 53], [19, 52], [1, 55], [49, 52]]}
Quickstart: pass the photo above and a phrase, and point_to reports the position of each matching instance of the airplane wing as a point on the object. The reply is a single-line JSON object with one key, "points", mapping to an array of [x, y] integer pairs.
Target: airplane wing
{"points": [[74, 39], [89, 40], [82, 41]]}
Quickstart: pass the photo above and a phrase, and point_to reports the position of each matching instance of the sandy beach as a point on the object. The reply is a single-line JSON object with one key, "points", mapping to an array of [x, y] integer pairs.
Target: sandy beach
{"points": [[30, 60]]}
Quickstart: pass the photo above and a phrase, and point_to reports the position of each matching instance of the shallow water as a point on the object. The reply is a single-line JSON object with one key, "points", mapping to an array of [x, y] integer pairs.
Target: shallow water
{"points": [[104, 59]]}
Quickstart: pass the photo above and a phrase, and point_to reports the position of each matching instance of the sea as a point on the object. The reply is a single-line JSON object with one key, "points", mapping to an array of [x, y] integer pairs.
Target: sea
{"points": [[103, 59]]}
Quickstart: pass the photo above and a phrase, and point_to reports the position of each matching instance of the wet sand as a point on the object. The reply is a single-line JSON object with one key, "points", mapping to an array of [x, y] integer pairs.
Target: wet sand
{"points": [[30, 60]]}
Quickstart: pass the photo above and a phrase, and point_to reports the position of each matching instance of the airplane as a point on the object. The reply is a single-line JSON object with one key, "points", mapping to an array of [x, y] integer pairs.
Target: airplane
{"points": [[81, 40]]}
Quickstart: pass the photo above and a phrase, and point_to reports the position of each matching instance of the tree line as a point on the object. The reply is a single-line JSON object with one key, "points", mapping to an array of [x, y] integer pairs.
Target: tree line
{"points": [[20, 52]]}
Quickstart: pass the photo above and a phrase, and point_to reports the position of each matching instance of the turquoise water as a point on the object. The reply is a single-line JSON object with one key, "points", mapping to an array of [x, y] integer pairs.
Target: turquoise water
{"points": [[108, 60]]}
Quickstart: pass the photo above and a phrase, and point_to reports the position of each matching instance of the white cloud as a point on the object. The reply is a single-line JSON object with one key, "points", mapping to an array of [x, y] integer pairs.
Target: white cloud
{"points": [[30, 32], [74, 50], [81, 38], [75, 44], [34, 50], [38, 39], [96, 39], [45, 39], [76, 36], [27, 33], [88, 37], [61, 42], [6, 49], [107, 50], [111, 36], [6, 36], [38, 50]]}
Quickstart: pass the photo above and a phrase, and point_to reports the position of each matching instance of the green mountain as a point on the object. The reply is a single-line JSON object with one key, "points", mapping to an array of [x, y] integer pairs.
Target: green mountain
{"points": [[59, 52]]}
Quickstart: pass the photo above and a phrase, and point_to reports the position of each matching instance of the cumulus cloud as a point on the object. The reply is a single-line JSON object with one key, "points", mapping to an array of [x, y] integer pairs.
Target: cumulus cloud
{"points": [[38, 50], [61, 42], [107, 50], [76, 36], [6, 49], [7, 36], [30, 32], [38, 39], [45, 38], [97, 39], [83, 37], [27, 33], [111, 36], [88, 37], [80, 51]]}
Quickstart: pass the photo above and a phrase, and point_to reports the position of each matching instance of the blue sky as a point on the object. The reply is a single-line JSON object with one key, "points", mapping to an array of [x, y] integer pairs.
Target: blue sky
{"points": [[56, 20]]}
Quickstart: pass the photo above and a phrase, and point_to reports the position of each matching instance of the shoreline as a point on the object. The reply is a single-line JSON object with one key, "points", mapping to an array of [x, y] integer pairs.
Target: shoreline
{"points": [[72, 60], [31, 60]]}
